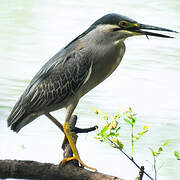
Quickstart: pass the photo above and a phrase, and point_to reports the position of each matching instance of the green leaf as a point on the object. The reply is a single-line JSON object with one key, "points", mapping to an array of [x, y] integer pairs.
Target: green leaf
{"points": [[157, 153], [105, 135], [133, 120], [118, 129], [145, 127], [143, 132], [97, 137], [116, 116], [117, 134], [99, 134], [177, 154], [160, 149], [129, 122], [136, 137], [120, 144], [129, 110], [110, 134], [153, 152], [114, 140], [105, 129]]}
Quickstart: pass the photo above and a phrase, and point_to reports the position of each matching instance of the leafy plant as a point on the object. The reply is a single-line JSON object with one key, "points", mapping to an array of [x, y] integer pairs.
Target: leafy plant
{"points": [[109, 131], [110, 128], [155, 156], [130, 118]]}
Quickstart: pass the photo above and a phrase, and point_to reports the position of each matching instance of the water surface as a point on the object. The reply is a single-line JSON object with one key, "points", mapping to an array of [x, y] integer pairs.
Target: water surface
{"points": [[147, 80]]}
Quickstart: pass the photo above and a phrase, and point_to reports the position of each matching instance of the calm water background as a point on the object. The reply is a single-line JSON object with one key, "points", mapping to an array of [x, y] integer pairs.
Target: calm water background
{"points": [[147, 80]]}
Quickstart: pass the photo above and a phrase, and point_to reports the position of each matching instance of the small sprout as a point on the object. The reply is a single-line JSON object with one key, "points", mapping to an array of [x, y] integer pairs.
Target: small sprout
{"points": [[130, 118], [155, 156]]}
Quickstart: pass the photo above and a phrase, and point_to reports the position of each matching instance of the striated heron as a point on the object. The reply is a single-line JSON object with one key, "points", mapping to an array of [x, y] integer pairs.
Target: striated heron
{"points": [[75, 70]]}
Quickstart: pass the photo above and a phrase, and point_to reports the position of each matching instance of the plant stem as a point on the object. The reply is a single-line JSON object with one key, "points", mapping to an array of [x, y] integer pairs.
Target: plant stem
{"points": [[132, 141], [155, 170]]}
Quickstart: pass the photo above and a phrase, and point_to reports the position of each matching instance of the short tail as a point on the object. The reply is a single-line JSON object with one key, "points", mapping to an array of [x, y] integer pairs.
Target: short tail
{"points": [[19, 118], [19, 124]]}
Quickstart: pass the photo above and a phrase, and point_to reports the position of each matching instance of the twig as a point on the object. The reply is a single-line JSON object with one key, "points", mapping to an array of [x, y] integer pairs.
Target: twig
{"points": [[131, 160]]}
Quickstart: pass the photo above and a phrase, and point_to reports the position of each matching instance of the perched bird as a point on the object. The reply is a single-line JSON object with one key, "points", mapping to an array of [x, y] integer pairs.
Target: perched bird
{"points": [[77, 68]]}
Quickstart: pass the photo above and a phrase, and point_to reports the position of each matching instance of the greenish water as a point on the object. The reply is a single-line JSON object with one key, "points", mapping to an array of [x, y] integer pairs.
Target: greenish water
{"points": [[147, 80]]}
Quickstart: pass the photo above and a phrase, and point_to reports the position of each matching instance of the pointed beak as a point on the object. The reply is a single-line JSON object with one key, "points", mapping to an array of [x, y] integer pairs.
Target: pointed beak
{"points": [[139, 30]]}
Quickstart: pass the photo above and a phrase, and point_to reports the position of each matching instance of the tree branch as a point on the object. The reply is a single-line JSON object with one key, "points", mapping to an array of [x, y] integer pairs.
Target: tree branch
{"points": [[47, 171]]}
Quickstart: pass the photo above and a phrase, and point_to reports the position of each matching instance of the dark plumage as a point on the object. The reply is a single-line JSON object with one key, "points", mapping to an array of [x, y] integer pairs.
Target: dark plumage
{"points": [[63, 75], [59, 78]]}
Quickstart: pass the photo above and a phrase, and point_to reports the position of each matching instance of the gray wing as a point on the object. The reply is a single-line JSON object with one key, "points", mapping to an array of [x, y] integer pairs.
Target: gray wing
{"points": [[56, 81]]}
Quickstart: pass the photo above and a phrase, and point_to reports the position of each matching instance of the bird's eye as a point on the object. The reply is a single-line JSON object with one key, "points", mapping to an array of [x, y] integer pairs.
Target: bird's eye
{"points": [[123, 23]]}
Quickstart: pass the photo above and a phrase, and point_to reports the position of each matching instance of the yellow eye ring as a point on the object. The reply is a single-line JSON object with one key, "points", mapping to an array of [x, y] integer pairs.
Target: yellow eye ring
{"points": [[123, 23]]}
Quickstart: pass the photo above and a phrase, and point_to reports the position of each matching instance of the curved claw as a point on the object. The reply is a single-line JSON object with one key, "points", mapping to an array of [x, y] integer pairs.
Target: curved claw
{"points": [[77, 158]]}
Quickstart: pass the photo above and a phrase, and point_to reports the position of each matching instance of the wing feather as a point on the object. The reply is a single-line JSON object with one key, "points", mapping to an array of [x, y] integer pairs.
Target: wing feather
{"points": [[55, 82]]}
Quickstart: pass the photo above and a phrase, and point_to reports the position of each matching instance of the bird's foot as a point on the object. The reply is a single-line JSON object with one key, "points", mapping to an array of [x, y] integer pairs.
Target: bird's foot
{"points": [[78, 159]]}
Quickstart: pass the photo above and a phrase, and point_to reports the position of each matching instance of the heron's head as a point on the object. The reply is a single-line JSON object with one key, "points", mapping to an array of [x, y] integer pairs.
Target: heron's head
{"points": [[116, 27]]}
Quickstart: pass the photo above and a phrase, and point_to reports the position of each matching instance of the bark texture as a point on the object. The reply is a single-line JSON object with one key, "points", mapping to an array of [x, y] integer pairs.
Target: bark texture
{"points": [[46, 171]]}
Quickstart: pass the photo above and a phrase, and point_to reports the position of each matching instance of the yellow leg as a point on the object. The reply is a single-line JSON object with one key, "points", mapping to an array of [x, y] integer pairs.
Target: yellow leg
{"points": [[73, 147]]}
